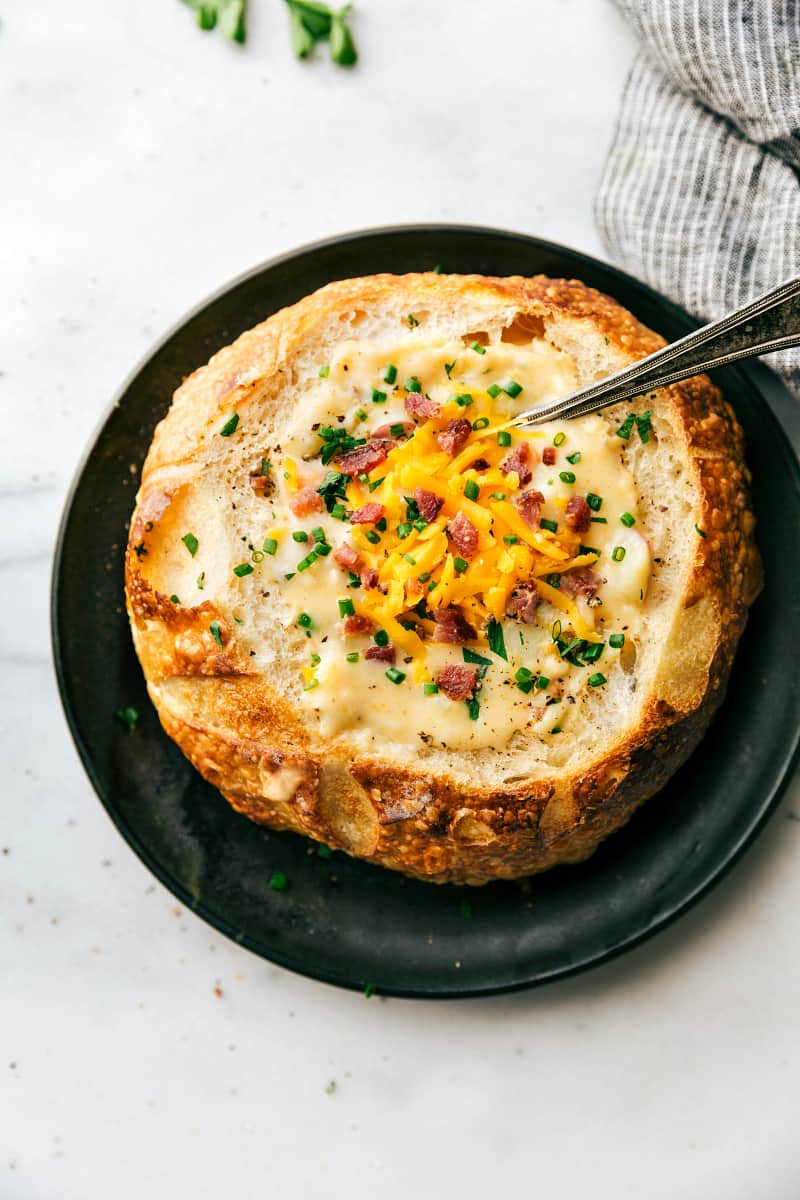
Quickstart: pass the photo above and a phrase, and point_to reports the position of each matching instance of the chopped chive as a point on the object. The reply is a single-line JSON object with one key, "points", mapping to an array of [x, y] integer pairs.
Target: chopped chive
{"points": [[460, 564], [312, 683], [618, 553], [413, 384], [523, 675], [346, 608], [265, 466], [257, 556], [644, 425], [504, 438], [494, 634], [616, 641], [395, 676], [627, 519], [378, 397], [524, 685], [430, 689], [353, 656], [566, 476], [214, 630], [412, 321], [322, 549], [308, 561], [372, 536], [448, 368], [381, 524], [278, 881], [397, 430], [512, 388], [425, 576], [129, 717], [510, 539], [390, 374], [191, 543], [553, 580], [588, 550], [481, 423], [376, 483], [318, 534], [354, 581], [478, 348], [369, 991], [473, 708], [464, 400], [626, 428], [291, 575], [556, 729], [498, 495], [339, 512], [592, 652], [599, 520], [596, 680], [304, 620], [315, 660], [552, 526], [175, 599], [300, 535], [559, 439], [700, 531], [201, 580], [362, 416], [420, 523], [230, 426], [594, 501], [409, 559], [574, 458], [472, 489], [494, 391], [404, 529], [542, 682], [243, 569], [324, 372], [380, 637]]}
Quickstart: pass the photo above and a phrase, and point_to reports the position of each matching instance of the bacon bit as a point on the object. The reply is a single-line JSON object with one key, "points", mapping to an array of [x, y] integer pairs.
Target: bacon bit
{"points": [[549, 456], [457, 682], [369, 577], [577, 514], [381, 653], [428, 504], [347, 558], [358, 623], [463, 534], [452, 626], [454, 436], [519, 460], [364, 458], [417, 405], [259, 482], [583, 582], [385, 430], [530, 507], [523, 602], [306, 501], [368, 514]]}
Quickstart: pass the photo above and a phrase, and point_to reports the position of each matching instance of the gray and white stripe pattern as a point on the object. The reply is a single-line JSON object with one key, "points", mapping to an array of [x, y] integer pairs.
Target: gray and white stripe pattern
{"points": [[700, 194]]}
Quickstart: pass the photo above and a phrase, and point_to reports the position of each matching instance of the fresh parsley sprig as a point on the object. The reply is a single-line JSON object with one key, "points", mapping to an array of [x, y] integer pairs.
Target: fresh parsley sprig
{"points": [[311, 22], [228, 15]]}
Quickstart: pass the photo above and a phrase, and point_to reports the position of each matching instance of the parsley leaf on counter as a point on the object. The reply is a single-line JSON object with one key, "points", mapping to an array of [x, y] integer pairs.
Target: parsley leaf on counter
{"points": [[311, 22], [228, 14]]}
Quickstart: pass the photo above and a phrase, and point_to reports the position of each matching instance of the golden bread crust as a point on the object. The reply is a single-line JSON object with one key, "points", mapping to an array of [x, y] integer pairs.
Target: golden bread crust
{"points": [[247, 739]]}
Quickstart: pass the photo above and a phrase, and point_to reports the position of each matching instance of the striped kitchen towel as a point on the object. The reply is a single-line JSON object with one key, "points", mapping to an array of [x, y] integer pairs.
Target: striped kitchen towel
{"points": [[700, 195]]}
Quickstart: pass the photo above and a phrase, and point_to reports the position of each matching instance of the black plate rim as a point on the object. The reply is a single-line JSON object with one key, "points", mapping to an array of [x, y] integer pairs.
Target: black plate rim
{"points": [[790, 760]]}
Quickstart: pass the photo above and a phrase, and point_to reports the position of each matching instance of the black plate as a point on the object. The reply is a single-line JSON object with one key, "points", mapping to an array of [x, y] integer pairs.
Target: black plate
{"points": [[342, 920]]}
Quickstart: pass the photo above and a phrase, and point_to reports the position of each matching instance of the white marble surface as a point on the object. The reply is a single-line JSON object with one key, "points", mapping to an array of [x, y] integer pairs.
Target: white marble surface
{"points": [[144, 165]]}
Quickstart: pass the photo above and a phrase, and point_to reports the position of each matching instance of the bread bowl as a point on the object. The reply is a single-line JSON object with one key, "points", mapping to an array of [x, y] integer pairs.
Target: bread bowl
{"points": [[265, 617]]}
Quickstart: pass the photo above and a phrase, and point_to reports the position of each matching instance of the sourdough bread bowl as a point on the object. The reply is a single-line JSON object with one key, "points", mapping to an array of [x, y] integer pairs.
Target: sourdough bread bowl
{"points": [[370, 612]]}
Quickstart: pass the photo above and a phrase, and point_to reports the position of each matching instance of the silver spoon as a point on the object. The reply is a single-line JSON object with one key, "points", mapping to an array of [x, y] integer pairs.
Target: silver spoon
{"points": [[769, 323]]}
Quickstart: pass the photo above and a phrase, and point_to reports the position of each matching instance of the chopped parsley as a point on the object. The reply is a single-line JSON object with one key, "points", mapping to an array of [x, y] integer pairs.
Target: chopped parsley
{"points": [[191, 543], [230, 426], [128, 717]]}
